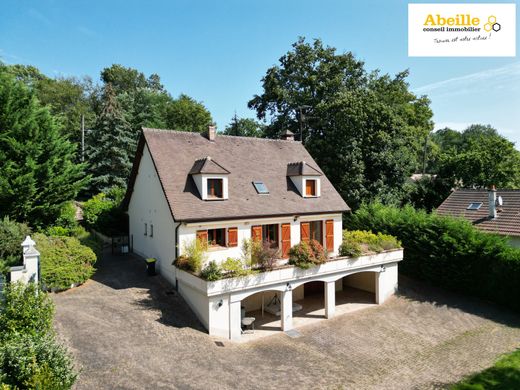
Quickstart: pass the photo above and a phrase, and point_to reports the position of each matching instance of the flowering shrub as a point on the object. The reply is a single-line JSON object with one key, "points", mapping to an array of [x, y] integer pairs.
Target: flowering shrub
{"points": [[358, 242], [307, 254]]}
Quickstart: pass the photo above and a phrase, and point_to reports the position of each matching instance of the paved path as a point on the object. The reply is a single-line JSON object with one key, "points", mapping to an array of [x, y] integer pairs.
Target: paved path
{"points": [[129, 331]]}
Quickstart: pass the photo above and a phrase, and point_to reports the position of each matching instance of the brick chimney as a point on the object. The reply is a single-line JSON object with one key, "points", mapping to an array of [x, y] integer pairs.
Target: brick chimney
{"points": [[212, 132], [287, 135], [492, 202]]}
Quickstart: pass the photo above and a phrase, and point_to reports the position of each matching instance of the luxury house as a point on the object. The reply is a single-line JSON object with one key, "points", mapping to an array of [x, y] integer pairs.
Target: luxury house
{"points": [[494, 211], [224, 190]]}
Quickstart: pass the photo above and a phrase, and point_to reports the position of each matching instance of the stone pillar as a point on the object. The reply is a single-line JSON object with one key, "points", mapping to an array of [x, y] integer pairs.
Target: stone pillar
{"points": [[235, 321], [31, 260], [330, 299], [386, 282], [286, 314]]}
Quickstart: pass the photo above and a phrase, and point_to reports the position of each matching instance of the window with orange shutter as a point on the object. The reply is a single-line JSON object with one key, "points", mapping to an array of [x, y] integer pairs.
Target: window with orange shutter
{"points": [[310, 187], [232, 236]]}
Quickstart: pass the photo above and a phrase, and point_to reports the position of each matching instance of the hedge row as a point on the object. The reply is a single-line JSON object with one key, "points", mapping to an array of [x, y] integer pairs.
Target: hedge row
{"points": [[448, 252]]}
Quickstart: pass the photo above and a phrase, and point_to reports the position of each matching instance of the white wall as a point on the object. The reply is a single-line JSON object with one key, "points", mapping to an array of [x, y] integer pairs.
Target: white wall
{"points": [[363, 280], [188, 232], [148, 205]]}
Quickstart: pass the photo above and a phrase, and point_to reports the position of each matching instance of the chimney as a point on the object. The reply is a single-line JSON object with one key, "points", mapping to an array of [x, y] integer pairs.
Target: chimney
{"points": [[287, 135], [492, 202], [212, 132]]}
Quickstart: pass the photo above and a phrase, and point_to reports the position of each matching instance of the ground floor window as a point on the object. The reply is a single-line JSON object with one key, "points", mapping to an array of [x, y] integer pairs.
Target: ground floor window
{"points": [[270, 235], [316, 232], [217, 237]]}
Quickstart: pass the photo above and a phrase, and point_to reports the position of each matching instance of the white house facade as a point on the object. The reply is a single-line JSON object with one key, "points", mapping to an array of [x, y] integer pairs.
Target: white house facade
{"points": [[226, 190]]}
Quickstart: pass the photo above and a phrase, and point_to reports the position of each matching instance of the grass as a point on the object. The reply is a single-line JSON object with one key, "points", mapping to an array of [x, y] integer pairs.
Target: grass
{"points": [[504, 374]]}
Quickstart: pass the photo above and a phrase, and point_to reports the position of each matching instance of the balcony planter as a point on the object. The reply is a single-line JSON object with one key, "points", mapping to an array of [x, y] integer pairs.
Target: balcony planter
{"points": [[150, 266]]}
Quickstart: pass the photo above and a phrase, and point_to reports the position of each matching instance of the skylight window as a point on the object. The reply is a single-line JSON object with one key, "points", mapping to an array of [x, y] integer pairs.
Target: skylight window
{"points": [[474, 206], [260, 187]]}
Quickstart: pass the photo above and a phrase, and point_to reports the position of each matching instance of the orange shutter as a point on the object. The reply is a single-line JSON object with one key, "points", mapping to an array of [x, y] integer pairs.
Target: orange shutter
{"points": [[286, 240], [305, 233], [202, 236], [329, 234], [310, 187], [232, 236], [256, 233]]}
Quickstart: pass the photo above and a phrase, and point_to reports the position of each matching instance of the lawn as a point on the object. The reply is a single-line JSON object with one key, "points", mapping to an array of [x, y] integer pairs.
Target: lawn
{"points": [[505, 374]]}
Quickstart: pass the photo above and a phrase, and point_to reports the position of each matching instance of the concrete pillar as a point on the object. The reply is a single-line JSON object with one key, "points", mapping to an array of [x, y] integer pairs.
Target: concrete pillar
{"points": [[386, 282], [330, 299], [235, 321], [286, 314]]}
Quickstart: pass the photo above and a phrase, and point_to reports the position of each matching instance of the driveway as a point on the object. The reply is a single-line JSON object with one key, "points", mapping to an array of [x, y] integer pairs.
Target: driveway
{"points": [[130, 331]]}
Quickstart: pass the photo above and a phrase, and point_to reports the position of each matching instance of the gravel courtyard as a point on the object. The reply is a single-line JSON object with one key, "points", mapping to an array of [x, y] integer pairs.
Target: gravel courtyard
{"points": [[130, 331]]}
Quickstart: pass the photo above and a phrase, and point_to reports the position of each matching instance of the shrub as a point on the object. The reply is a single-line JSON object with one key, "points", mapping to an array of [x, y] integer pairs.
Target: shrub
{"points": [[211, 272], [235, 267], [25, 309], [64, 261], [194, 256], [11, 236], [260, 254], [35, 362], [307, 254], [358, 242], [67, 217], [449, 252], [103, 212]]}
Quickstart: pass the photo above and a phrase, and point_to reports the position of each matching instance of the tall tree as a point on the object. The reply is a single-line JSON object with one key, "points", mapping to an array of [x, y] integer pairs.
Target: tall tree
{"points": [[244, 127], [111, 145], [366, 130], [187, 114], [37, 169]]}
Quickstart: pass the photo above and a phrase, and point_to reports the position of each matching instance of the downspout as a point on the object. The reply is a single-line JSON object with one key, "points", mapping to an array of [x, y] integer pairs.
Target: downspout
{"points": [[177, 252]]}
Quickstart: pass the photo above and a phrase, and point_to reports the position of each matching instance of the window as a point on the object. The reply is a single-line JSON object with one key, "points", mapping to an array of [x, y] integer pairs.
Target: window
{"points": [[260, 187], [270, 235], [151, 230], [310, 187], [145, 229], [217, 237], [474, 206], [215, 189], [316, 231]]}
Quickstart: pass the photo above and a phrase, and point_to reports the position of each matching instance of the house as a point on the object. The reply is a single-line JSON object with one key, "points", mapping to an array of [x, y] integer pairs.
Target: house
{"points": [[225, 190], [493, 211]]}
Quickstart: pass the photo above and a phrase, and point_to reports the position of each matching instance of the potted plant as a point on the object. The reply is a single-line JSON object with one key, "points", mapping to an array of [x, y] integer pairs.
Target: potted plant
{"points": [[150, 266]]}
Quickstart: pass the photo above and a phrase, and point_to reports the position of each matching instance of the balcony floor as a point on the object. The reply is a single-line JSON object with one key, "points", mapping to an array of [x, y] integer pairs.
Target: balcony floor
{"points": [[347, 301]]}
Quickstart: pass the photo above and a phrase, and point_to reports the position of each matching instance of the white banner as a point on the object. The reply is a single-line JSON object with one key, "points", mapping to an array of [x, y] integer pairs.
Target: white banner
{"points": [[461, 30]]}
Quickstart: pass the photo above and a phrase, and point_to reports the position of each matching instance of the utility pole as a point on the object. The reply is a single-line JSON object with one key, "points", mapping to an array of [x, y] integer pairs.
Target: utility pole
{"points": [[235, 124], [82, 138], [424, 154]]}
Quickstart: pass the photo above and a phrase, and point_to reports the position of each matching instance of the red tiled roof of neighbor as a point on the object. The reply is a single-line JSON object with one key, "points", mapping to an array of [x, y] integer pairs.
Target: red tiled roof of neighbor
{"points": [[507, 221], [247, 159]]}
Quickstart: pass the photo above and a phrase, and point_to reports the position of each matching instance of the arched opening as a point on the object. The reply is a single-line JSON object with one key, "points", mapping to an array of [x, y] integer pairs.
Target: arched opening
{"points": [[265, 308], [309, 299], [355, 291]]}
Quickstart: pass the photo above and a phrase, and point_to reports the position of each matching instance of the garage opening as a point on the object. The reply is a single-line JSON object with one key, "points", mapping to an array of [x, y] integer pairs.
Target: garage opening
{"points": [[265, 308], [311, 297]]}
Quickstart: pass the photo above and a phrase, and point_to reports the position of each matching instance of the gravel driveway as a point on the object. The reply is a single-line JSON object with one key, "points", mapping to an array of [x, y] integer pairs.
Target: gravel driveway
{"points": [[130, 331]]}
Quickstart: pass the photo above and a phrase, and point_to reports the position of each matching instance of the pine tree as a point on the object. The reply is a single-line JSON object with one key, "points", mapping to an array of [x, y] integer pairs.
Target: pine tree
{"points": [[111, 147], [37, 169]]}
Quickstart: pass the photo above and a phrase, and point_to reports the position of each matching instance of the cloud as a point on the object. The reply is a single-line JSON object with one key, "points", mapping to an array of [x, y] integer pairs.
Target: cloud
{"points": [[501, 78]]}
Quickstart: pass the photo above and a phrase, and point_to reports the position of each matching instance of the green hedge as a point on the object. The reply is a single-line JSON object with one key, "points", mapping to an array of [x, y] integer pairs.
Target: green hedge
{"points": [[448, 252], [64, 261]]}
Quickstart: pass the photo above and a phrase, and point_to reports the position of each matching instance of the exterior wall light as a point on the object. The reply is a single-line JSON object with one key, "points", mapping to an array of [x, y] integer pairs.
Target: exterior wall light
{"points": [[383, 269], [220, 303], [289, 287]]}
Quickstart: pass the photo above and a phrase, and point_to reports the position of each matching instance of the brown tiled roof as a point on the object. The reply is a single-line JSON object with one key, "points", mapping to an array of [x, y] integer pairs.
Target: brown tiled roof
{"points": [[207, 165], [506, 223], [247, 159], [301, 168]]}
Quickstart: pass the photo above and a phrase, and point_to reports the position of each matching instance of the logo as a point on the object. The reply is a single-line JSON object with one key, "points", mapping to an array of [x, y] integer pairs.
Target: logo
{"points": [[462, 30], [492, 24]]}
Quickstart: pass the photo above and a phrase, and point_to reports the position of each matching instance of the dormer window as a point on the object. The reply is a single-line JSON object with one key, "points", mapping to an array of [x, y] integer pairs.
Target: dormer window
{"points": [[311, 187], [305, 178], [211, 179], [215, 188]]}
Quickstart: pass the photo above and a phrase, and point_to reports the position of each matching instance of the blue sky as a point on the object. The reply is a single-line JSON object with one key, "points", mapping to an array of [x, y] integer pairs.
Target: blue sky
{"points": [[217, 52]]}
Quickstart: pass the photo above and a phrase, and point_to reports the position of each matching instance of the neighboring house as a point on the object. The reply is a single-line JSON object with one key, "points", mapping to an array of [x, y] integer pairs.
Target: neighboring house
{"points": [[494, 211], [224, 190]]}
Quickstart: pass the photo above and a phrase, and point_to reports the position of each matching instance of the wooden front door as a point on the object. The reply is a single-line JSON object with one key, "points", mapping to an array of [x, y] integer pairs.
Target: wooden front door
{"points": [[329, 235], [286, 240], [305, 231]]}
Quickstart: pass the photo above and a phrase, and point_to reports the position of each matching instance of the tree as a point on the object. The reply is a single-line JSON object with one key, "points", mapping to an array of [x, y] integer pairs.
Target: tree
{"points": [[11, 236], [477, 157], [187, 114], [37, 169], [245, 127], [111, 146], [365, 130]]}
